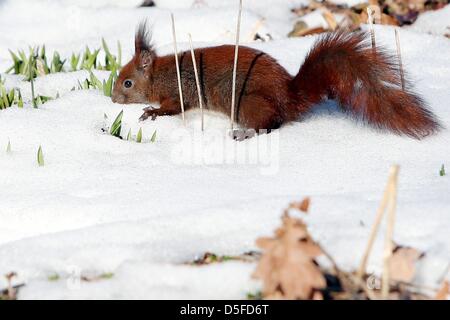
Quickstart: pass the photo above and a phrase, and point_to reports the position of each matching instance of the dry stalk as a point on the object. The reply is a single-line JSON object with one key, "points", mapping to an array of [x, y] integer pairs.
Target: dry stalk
{"points": [[370, 19], [376, 225], [236, 53], [12, 293], [199, 89], [399, 55], [178, 67], [388, 245]]}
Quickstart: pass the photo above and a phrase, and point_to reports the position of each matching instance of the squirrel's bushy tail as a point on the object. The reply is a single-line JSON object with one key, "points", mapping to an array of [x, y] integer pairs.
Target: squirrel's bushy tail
{"points": [[365, 82]]}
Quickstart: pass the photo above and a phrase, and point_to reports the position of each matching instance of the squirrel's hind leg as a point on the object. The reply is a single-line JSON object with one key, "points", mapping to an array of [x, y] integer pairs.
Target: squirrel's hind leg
{"points": [[258, 113]]}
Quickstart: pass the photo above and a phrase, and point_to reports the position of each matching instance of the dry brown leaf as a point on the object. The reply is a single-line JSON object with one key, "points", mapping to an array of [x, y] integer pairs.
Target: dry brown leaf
{"points": [[302, 205], [329, 18], [443, 292], [402, 265], [385, 19], [287, 267]]}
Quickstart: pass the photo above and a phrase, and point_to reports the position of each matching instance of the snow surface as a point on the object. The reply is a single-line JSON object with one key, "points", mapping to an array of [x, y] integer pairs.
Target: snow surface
{"points": [[433, 22], [142, 211]]}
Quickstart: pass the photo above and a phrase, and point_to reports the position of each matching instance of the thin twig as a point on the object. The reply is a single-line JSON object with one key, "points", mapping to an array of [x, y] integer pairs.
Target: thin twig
{"points": [[178, 67], [373, 233], [200, 100], [31, 63], [370, 19], [11, 291], [236, 53], [399, 55], [388, 245]]}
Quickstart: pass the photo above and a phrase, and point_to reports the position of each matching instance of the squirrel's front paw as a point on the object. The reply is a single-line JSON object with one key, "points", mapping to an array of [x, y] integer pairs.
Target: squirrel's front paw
{"points": [[148, 113]]}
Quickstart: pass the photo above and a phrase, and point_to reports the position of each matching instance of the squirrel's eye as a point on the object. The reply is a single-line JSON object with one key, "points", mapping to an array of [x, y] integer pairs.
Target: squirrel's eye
{"points": [[128, 84]]}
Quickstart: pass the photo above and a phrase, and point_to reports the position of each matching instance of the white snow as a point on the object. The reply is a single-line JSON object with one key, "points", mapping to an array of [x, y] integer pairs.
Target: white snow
{"points": [[433, 22], [142, 211]]}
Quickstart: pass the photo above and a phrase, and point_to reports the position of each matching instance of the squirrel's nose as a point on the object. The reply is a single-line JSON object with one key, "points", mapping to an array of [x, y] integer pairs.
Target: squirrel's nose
{"points": [[114, 98]]}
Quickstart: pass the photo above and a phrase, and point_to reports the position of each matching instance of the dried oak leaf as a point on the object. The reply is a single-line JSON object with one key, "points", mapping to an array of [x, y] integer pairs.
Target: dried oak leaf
{"points": [[443, 292], [302, 205], [287, 267], [402, 264]]}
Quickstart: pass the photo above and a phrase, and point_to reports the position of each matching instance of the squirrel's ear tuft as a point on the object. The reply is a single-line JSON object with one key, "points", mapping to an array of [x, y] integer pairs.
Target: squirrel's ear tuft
{"points": [[143, 47], [143, 39], [145, 59]]}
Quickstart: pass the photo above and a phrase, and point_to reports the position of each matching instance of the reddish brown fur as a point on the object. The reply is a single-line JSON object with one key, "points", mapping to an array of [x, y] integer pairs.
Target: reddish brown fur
{"points": [[341, 66]]}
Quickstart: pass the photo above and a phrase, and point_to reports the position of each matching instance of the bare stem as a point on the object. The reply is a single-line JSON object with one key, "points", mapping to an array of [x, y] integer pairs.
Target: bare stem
{"points": [[236, 53], [376, 225], [199, 90], [399, 55], [31, 64], [370, 19], [178, 67], [388, 245]]}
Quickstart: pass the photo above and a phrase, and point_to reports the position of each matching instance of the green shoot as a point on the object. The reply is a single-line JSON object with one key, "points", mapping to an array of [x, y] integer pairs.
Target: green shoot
{"points": [[119, 54], [53, 277], [88, 60], [139, 136], [74, 61], [254, 295], [108, 85], [117, 125], [40, 157], [40, 100], [129, 135], [8, 147], [93, 82], [442, 171], [20, 100], [106, 275], [9, 98], [57, 64], [112, 63], [153, 138]]}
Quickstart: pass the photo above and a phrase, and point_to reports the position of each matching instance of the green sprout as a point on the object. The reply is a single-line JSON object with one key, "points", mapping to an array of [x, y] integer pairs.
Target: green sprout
{"points": [[19, 100], [139, 136], [40, 157], [129, 135], [442, 171], [254, 295], [112, 63], [107, 86], [88, 60], [53, 277], [74, 61], [8, 147], [40, 100], [117, 125], [153, 138], [35, 63], [107, 275], [8, 98], [57, 64]]}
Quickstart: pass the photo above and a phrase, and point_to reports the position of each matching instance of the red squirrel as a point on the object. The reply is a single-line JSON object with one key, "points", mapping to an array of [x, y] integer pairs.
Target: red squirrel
{"points": [[341, 65]]}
